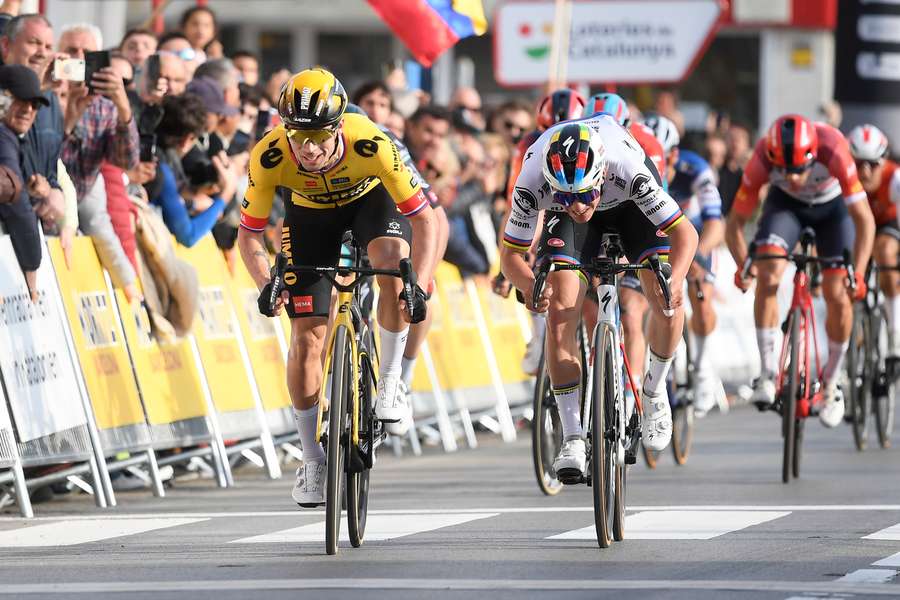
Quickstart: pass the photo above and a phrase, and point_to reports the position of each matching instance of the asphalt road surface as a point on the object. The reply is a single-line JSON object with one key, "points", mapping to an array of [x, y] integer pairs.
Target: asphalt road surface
{"points": [[473, 524]]}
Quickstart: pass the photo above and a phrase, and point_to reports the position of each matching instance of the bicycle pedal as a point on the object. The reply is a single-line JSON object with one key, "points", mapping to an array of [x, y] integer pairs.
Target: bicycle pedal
{"points": [[764, 406], [570, 476], [630, 458]]}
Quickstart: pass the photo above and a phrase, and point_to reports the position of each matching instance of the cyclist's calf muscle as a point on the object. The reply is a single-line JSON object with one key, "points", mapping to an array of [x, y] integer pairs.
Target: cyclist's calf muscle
{"points": [[563, 320], [886, 250], [304, 364]]}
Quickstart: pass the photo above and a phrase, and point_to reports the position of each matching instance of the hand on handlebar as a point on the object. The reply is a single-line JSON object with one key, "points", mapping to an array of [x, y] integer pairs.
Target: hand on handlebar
{"points": [[860, 289], [743, 283], [501, 286], [264, 299], [544, 301], [420, 306]]}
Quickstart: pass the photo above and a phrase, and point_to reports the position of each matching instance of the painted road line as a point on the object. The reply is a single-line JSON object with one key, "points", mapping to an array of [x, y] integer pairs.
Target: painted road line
{"points": [[680, 525], [71, 532], [191, 588], [890, 533], [378, 527], [891, 561], [868, 576], [444, 511]]}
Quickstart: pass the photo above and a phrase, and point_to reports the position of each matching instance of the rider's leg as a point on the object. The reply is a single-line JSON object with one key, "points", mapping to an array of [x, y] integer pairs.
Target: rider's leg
{"points": [[885, 254], [663, 334], [765, 311], [304, 380], [633, 307], [838, 321], [703, 321], [562, 353]]}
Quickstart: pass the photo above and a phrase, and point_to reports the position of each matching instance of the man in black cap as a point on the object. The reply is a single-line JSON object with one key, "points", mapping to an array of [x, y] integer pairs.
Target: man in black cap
{"points": [[19, 219]]}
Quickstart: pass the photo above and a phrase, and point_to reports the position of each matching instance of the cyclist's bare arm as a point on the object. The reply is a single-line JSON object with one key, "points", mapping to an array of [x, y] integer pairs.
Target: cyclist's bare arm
{"points": [[424, 247], [865, 233], [734, 237]]}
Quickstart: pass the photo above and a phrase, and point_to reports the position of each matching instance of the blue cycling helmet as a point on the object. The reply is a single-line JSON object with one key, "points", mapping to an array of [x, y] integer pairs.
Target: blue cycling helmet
{"points": [[612, 104]]}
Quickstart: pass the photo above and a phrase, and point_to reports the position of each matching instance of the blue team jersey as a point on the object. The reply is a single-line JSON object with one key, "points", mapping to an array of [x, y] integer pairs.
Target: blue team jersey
{"points": [[694, 188]]}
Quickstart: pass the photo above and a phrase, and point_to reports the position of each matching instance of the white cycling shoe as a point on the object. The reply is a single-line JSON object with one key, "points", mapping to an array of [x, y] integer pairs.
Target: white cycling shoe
{"points": [[309, 491], [709, 392], [763, 392], [532, 359], [656, 426], [570, 463], [832, 411], [401, 427], [390, 405]]}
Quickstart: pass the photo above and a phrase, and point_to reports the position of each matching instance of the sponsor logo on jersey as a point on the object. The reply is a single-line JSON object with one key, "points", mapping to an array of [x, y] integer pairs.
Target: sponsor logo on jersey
{"points": [[340, 180], [366, 148], [527, 156], [272, 156], [525, 199], [302, 304], [556, 242], [659, 233], [552, 222], [640, 186], [311, 183], [245, 203], [519, 223], [617, 181], [394, 227], [654, 209]]}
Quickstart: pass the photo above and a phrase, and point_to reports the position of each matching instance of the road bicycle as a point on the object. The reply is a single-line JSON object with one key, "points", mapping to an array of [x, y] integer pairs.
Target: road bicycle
{"points": [[870, 374], [611, 436], [347, 428], [798, 385], [546, 428]]}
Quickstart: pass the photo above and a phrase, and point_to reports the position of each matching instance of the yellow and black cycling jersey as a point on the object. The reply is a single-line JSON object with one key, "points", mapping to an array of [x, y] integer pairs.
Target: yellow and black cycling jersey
{"points": [[368, 158]]}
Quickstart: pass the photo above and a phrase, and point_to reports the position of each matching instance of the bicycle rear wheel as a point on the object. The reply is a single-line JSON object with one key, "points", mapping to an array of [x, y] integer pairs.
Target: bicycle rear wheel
{"points": [[605, 473], [684, 385], [358, 479], [341, 375], [789, 397], [883, 383], [546, 432], [859, 376]]}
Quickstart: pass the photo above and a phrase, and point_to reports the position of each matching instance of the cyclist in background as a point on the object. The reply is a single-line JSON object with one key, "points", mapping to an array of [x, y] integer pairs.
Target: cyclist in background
{"points": [[561, 105], [880, 177], [813, 183], [693, 185], [343, 174], [567, 172]]}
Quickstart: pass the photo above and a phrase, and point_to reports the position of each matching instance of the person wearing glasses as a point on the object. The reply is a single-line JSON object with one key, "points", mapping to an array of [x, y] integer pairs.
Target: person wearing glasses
{"points": [[590, 177], [880, 177], [343, 174], [813, 182]]}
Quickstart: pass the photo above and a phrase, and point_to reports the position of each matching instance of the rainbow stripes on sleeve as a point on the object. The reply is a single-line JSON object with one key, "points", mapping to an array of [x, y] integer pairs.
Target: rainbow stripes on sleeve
{"points": [[517, 244]]}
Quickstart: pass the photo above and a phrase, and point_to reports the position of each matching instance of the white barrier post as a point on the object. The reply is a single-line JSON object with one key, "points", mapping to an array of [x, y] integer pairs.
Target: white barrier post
{"points": [[504, 416], [217, 444], [448, 439]]}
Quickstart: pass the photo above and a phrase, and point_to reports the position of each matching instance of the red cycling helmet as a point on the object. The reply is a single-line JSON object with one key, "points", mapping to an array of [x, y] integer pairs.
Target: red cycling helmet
{"points": [[561, 105], [792, 143]]}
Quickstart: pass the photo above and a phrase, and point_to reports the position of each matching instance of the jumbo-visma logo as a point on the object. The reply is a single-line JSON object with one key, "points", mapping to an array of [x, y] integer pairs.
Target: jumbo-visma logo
{"points": [[536, 39]]}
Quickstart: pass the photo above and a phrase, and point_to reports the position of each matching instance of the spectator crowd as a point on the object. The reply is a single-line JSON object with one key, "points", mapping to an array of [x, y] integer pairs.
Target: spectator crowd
{"points": [[155, 145]]}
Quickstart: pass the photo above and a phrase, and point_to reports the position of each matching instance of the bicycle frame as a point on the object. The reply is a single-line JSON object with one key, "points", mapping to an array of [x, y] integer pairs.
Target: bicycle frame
{"points": [[802, 299]]}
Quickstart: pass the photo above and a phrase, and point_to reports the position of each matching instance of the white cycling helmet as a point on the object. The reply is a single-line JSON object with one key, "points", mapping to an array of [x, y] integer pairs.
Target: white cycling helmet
{"points": [[664, 130], [867, 142], [574, 162]]}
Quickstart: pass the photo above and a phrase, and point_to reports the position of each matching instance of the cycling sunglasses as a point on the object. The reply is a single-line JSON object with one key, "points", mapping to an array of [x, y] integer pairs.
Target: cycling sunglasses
{"points": [[314, 136], [872, 164], [567, 199]]}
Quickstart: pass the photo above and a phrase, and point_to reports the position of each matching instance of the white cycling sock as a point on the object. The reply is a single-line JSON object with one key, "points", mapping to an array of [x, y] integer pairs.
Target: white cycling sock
{"points": [[568, 400], [392, 346], [538, 325], [836, 353], [306, 421], [767, 341], [407, 368], [699, 351], [655, 376]]}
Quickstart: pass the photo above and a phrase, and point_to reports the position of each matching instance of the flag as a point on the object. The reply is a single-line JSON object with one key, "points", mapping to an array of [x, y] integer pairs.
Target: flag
{"points": [[429, 27]]}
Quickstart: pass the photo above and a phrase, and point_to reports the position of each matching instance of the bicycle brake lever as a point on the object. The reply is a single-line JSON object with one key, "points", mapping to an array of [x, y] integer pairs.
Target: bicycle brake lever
{"points": [[278, 270], [540, 278], [663, 272], [408, 276]]}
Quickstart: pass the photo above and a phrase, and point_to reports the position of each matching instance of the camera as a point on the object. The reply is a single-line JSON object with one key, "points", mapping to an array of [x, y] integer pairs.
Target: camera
{"points": [[148, 147], [68, 69]]}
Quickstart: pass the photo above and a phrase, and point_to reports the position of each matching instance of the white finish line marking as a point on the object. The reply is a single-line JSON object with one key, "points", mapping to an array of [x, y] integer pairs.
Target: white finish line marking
{"points": [[72, 532], [378, 527], [868, 576], [891, 561], [890, 533], [680, 525]]}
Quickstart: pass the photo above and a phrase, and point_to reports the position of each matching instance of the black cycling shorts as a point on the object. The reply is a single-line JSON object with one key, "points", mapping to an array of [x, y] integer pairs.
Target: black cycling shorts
{"points": [[565, 241], [784, 218], [888, 229], [312, 236]]}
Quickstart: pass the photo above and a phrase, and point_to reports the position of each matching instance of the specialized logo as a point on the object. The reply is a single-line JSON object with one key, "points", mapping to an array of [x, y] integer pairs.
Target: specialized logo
{"points": [[606, 300], [556, 242], [525, 199], [366, 148], [640, 186], [272, 157], [567, 144], [527, 156], [302, 304], [551, 223]]}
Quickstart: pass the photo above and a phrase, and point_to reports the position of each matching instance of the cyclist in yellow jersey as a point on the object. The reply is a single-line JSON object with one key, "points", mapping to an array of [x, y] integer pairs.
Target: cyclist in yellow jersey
{"points": [[344, 174]]}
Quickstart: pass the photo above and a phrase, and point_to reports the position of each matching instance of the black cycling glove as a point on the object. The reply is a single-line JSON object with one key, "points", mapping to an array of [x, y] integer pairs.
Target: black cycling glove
{"points": [[263, 302], [420, 310]]}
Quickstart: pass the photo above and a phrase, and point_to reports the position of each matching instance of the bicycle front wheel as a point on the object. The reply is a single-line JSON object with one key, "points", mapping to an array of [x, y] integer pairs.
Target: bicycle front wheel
{"points": [[606, 473], [684, 385], [789, 398], [341, 379], [882, 381], [859, 376], [546, 432], [358, 479]]}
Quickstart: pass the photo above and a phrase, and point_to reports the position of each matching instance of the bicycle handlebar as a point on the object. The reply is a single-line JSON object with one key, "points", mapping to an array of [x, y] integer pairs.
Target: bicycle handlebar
{"points": [[405, 273], [605, 266], [801, 259]]}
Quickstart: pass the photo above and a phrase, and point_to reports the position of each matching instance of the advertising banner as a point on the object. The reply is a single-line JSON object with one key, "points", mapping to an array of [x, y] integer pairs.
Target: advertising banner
{"points": [[39, 373], [609, 40], [867, 53]]}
